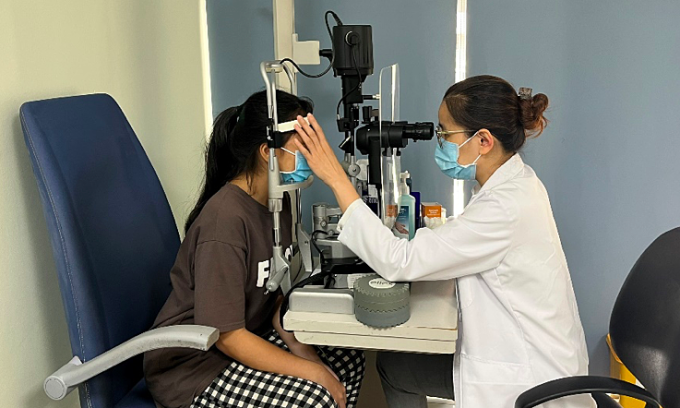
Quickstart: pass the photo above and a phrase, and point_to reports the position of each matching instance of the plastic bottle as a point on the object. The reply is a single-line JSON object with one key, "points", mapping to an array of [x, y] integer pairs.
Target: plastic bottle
{"points": [[405, 225]]}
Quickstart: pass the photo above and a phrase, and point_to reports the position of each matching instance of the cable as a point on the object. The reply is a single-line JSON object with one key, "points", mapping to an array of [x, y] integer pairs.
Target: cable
{"points": [[328, 68], [356, 66], [297, 274], [328, 27], [319, 277], [316, 246], [322, 260], [335, 16], [306, 281], [330, 34], [310, 280]]}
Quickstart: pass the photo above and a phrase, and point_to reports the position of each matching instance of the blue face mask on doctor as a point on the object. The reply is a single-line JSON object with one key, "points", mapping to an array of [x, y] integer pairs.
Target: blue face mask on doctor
{"points": [[301, 172], [446, 156]]}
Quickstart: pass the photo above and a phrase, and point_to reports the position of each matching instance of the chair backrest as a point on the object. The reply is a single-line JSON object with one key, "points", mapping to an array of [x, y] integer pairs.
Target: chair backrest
{"points": [[113, 235], [645, 322]]}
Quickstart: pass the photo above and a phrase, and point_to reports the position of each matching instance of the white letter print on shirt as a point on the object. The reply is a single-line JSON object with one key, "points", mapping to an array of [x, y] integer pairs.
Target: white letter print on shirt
{"points": [[262, 272], [263, 267]]}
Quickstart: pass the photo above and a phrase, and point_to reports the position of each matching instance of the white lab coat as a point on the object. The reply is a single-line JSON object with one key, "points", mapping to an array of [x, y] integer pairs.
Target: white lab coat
{"points": [[519, 324]]}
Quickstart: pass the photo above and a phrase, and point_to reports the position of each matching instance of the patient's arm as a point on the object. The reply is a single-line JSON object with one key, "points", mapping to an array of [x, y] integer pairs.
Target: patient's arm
{"points": [[256, 352]]}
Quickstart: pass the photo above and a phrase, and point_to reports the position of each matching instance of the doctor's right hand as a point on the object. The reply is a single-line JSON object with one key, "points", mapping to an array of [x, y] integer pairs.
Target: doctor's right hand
{"points": [[327, 380], [320, 156], [312, 143]]}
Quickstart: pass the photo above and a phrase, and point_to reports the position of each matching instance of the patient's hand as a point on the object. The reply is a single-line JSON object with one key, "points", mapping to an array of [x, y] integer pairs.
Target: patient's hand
{"points": [[296, 348], [309, 353]]}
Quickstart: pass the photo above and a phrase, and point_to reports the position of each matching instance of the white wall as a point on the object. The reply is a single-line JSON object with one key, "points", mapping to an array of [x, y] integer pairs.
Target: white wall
{"points": [[149, 56]]}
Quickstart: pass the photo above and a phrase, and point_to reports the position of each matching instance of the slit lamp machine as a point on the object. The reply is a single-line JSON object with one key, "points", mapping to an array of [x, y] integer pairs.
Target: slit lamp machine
{"points": [[339, 282]]}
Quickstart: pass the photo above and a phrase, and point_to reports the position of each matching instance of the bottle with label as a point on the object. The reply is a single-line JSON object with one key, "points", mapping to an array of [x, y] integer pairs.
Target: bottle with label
{"points": [[405, 225]]}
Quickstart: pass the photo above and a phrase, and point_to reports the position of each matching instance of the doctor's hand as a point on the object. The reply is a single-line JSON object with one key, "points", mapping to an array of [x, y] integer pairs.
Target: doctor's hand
{"points": [[318, 152], [322, 160]]}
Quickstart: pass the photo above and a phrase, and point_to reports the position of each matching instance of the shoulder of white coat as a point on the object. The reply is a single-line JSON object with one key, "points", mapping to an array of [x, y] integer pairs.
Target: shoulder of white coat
{"points": [[503, 198], [516, 193], [511, 195]]}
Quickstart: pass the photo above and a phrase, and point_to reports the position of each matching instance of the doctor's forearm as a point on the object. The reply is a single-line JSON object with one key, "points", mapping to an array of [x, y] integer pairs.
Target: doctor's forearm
{"points": [[344, 191], [392, 258]]}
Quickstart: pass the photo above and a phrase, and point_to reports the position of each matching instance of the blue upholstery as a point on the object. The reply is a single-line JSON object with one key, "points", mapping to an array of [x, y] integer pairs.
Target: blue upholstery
{"points": [[113, 235], [138, 397]]}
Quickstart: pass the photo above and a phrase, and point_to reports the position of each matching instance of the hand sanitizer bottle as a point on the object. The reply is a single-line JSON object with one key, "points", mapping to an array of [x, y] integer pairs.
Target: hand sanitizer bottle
{"points": [[405, 225]]}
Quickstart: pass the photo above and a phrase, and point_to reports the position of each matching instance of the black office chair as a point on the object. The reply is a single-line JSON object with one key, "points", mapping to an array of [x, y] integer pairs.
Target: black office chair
{"points": [[645, 334]]}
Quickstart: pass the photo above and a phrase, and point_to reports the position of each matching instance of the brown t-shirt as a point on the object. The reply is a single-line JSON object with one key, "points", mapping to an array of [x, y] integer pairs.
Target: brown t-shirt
{"points": [[218, 281]]}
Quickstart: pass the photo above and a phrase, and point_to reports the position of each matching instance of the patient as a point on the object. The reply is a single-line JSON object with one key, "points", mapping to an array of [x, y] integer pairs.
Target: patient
{"points": [[219, 279]]}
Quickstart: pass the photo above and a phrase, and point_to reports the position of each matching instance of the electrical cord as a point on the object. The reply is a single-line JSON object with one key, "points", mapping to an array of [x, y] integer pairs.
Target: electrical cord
{"points": [[311, 279], [356, 66], [318, 278], [335, 16], [310, 75], [297, 274], [330, 34], [330, 65], [322, 260], [316, 246], [307, 281]]}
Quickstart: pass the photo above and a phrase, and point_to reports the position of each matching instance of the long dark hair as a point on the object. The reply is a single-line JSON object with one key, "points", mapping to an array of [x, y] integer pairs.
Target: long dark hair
{"points": [[490, 102], [238, 133]]}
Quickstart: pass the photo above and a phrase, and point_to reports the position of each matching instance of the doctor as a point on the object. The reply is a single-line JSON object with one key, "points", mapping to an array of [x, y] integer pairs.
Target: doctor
{"points": [[519, 322]]}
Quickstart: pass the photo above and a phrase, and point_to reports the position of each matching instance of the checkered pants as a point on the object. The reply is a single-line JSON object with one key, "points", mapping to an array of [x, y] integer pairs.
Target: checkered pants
{"points": [[241, 386]]}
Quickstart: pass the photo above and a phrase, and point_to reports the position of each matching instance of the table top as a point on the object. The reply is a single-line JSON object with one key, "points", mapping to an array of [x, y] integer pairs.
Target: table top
{"points": [[432, 328]]}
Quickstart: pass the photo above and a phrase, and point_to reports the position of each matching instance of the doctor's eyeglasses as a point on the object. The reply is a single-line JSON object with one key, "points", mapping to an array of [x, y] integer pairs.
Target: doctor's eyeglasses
{"points": [[441, 134]]}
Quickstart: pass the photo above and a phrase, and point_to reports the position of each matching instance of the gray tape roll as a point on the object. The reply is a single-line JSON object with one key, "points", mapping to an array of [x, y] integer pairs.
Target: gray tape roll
{"points": [[380, 303]]}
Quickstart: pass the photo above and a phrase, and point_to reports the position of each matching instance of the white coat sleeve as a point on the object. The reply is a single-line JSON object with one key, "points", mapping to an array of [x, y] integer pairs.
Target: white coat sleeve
{"points": [[474, 242]]}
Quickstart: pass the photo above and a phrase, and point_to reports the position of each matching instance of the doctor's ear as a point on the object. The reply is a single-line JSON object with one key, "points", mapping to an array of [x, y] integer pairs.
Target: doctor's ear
{"points": [[486, 140]]}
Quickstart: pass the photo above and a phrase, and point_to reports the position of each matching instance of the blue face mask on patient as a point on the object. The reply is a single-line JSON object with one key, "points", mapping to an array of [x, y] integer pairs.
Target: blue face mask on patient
{"points": [[301, 172]]}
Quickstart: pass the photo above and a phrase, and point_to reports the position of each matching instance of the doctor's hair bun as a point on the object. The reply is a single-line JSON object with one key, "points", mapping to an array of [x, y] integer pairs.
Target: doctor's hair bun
{"points": [[532, 118], [491, 103]]}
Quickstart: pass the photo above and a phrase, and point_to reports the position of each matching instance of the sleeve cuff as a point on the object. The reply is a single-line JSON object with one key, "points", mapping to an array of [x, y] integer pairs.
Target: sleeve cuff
{"points": [[224, 328], [348, 213]]}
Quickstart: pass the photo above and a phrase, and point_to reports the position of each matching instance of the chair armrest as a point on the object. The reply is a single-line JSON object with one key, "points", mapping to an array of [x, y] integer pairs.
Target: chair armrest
{"points": [[75, 372], [581, 385]]}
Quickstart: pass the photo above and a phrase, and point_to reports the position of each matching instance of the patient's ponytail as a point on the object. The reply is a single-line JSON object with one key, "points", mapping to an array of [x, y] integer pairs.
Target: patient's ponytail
{"points": [[237, 135]]}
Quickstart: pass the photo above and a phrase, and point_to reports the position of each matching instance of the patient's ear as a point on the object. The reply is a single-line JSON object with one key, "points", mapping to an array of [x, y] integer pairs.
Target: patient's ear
{"points": [[264, 153]]}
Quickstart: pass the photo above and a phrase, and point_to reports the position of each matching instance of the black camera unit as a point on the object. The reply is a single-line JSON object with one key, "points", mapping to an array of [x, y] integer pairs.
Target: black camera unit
{"points": [[352, 61]]}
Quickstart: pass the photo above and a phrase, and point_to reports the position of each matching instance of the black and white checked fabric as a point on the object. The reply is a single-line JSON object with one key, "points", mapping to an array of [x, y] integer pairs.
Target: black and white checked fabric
{"points": [[241, 386]]}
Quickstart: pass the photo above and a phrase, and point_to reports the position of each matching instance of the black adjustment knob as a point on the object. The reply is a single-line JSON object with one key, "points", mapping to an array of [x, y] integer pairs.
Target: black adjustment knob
{"points": [[352, 38]]}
